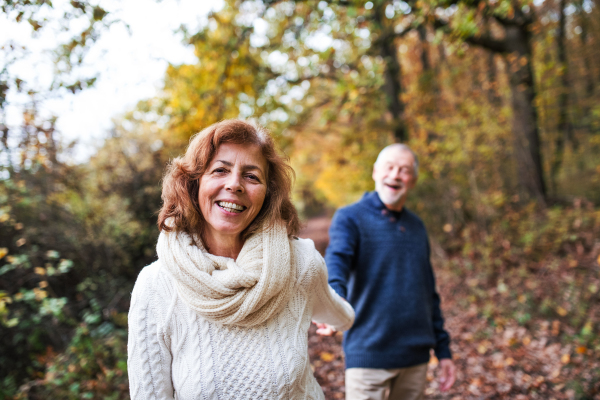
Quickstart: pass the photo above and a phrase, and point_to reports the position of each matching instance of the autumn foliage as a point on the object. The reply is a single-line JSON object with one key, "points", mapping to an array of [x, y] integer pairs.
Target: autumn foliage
{"points": [[500, 100]]}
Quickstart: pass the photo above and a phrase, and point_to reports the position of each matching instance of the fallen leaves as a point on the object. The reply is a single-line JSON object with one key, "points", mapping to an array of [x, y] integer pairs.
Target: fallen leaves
{"points": [[497, 356]]}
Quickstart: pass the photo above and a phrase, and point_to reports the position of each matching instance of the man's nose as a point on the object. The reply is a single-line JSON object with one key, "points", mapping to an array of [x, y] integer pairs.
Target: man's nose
{"points": [[234, 184], [395, 173]]}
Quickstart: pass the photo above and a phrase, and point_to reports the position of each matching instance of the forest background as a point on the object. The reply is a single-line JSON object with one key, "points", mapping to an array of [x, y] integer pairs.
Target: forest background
{"points": [[499, 98]]}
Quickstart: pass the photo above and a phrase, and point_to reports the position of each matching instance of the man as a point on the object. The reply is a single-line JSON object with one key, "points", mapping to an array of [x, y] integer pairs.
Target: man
{"points": [[378, 259]]}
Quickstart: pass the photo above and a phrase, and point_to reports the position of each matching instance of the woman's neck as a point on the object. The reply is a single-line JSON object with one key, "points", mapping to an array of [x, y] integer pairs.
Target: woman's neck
{"points": [[223, 245]]}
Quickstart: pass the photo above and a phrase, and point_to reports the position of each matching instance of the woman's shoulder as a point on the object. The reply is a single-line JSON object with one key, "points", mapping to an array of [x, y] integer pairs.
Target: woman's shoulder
{"points": [[309, 261], [304, 249], [301, 244], [154, 278]]}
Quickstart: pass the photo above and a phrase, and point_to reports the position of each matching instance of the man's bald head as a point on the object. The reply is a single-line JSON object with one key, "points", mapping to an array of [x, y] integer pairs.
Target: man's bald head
{"points": [[399, 147]]}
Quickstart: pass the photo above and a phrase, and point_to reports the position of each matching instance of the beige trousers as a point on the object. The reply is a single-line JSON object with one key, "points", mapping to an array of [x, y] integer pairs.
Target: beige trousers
{"points": [[386, 384]]}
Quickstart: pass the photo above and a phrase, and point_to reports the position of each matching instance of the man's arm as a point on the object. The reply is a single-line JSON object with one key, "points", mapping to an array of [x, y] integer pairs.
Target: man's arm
{"points": [[447, 374], [442, 338], [339, 257]]}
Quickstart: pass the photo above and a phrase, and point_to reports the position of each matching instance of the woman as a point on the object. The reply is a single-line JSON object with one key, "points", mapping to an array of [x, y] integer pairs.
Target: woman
{"points": [[224, 312]]}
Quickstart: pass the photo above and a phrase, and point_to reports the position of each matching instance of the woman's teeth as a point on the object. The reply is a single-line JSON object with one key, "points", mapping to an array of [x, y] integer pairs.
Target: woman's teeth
{"points": [[230, 207]]}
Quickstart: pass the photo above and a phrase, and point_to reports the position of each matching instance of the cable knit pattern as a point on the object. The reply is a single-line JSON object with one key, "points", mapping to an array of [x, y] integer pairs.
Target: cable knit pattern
{"points": [[244, 292], [176, 351]]}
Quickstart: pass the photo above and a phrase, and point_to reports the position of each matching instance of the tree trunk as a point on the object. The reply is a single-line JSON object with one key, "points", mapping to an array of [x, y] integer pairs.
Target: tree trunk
{"points": [[428, 85], [492, 73], [565, 130], [525, 118], [587, 65], [393, 76]]}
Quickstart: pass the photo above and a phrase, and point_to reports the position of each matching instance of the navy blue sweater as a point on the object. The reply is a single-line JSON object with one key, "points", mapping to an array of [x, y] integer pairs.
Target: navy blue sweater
{"points": [[379, 261]]}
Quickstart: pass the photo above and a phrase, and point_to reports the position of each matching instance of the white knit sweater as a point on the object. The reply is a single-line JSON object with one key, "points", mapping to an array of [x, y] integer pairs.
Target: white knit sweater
{"points": [[174, 353]]}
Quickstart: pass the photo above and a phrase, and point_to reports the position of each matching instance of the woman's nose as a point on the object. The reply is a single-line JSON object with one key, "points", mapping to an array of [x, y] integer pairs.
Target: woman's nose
{"points": [[234, 184]]}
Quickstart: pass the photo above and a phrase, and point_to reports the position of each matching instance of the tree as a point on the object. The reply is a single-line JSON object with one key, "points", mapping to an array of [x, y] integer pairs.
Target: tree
{"points": [[516, 43]]}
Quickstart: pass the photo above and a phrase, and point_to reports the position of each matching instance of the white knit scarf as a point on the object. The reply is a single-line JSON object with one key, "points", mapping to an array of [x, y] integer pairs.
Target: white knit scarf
{"points": [[244, 292]]}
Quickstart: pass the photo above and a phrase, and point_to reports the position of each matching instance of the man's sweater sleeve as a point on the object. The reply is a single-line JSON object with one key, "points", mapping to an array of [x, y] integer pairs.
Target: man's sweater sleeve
{"points": [[343, 241], [442, 338]]}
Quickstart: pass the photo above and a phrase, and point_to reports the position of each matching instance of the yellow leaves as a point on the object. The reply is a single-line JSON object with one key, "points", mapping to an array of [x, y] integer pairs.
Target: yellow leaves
{"points": [[555, 328], [588, 328], [581, 349], [447, 228], [509, 361], [565, 359], [327, 357], [538, 381], [39, 271], [472, 282], [40, 294], [573, 263], [3, 252], [523, 61], [483, 347], [561, 311], [21, 242], [43, 284]]}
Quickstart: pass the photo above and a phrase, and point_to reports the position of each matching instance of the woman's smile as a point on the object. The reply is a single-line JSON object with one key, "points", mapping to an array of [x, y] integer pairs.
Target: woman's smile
{"points": [[231, 207]]}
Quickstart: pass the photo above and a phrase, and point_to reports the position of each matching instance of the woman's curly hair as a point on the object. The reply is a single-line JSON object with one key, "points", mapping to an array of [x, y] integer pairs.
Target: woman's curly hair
{"points": [[180, 210]]}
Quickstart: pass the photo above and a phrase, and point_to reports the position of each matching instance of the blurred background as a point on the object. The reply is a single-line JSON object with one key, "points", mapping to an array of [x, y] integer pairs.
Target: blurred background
{"points": [[500, 99]]}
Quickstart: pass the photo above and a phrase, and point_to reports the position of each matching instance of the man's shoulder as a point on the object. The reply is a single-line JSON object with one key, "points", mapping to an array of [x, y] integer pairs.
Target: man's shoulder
{"points": [[413, 216], [414, 220]]}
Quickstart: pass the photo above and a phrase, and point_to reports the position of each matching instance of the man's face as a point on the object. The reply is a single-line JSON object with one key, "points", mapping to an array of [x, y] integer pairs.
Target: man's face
{"points": [[394, 177]]}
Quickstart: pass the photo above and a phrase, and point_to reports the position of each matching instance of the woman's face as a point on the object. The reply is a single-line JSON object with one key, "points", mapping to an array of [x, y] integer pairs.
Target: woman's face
{"points": [[233, 189]]}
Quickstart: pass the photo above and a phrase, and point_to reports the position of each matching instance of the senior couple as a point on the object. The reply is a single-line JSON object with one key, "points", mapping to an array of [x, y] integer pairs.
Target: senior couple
{"points": [[224, 312]]}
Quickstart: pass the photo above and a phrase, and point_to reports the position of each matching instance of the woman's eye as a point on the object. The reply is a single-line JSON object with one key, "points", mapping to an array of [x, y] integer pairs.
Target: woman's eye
{"points": [[220, 170], [253, 177]]}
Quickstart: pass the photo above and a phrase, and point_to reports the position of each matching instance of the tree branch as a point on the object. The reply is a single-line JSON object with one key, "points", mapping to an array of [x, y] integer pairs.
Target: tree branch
{"points": [[487, 42]]}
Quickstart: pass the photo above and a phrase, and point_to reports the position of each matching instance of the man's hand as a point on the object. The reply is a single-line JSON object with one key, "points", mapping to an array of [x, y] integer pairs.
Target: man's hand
{"points": [[324, 329], [447, 374]]}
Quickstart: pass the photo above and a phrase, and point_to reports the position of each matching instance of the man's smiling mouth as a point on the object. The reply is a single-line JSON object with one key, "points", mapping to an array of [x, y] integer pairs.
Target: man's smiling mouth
{"points": [[231, 207], [394, 187]]}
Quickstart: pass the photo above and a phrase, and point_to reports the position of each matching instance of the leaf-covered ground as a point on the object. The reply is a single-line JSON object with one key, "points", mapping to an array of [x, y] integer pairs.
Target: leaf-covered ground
{"points": [[497, 356]]}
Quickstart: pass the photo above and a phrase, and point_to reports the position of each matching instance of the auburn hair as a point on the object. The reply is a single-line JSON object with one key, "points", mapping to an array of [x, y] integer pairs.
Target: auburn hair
{"points": [[180, 210]]}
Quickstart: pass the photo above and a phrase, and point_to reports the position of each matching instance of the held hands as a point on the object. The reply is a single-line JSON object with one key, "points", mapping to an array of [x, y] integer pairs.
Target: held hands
{"points": [[324, 329], [447, 373]]}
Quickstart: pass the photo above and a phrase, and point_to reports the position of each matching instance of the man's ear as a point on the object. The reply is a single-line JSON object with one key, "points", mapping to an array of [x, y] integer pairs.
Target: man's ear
{"points": [[414, 181], [373, 173]]}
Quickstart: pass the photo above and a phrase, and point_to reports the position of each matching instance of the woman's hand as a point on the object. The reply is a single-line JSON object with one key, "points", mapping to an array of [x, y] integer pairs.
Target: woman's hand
{"points": [[324, 329]]}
